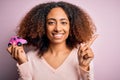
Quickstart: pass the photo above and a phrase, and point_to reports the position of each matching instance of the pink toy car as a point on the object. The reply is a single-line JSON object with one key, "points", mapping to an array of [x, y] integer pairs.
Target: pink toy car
{"points": [[17, 41]]}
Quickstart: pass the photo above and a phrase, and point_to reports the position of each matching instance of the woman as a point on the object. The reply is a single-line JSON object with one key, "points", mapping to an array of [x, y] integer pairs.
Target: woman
{"points": [[62, 34]]}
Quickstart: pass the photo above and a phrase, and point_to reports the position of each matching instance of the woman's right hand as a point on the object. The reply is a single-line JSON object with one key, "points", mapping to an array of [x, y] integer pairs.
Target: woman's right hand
{"points": [[18, 53]]}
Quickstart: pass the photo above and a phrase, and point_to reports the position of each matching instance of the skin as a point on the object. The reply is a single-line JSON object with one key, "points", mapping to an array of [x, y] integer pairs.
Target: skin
{"points": [[57, 26], [84, 49], [57, 32], [17, 53]]}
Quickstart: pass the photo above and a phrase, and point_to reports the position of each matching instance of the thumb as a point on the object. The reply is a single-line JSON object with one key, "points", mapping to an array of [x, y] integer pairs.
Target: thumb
{"points": [[9, 49]]}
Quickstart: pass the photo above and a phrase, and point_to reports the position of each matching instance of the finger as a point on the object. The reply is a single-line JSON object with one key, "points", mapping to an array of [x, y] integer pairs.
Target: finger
{"points": [[92, 40], [9, 49], [88, 61], [90, 52], [20, 52], [85, 46], [79, 50], [18, 49], [86, 56], [87, 53], [16, 52], [13, 51], [83, 53]]}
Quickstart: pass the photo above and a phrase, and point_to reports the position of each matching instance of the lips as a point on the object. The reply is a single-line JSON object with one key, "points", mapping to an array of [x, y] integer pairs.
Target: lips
{"points": [[58, 35]]}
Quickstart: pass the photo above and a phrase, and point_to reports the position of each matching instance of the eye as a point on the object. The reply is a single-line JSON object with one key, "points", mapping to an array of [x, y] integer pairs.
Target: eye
{"points": [[63, 23], [50, 23]]}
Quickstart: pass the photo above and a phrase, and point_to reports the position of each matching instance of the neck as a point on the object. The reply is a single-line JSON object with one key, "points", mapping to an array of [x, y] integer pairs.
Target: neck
{"points": [[58, 48]]}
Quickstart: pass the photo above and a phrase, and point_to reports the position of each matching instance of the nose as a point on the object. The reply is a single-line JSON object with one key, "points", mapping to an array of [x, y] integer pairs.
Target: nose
{"points": [[58, 27]]}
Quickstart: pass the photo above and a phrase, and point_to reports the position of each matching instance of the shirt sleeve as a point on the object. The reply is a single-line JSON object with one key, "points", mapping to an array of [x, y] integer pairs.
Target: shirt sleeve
{"points": [[87, 75], [24, 71]]}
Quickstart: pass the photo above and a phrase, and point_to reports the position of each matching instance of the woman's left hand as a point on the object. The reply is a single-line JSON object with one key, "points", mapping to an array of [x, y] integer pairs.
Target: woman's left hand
{"points": [[85, 54]]}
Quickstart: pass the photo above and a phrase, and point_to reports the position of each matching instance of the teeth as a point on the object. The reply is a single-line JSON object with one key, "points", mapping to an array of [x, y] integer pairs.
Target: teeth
{"points": [[58, 35]]}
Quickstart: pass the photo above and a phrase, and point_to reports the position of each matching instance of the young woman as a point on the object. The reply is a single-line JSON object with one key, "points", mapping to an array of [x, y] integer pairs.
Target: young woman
{"points": [[62, 34]]}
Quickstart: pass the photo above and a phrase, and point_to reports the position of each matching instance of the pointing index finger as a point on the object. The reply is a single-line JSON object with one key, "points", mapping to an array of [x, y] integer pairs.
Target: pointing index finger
{"points": [[92, 40]]}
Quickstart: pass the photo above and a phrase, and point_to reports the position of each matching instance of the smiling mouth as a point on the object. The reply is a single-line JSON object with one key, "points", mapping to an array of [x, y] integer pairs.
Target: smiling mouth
{"points": [[58, 35]]}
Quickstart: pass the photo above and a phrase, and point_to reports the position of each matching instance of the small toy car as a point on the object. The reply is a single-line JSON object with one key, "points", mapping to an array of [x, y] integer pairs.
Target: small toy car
{"points": [[17, 41]]}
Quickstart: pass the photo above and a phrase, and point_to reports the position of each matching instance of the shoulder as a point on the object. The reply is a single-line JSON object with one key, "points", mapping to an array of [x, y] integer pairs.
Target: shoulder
{"points": [[32, 54], [74, 53]]}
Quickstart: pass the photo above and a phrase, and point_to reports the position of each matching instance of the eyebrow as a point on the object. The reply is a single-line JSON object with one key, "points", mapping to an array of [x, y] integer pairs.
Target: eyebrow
{"points": [[55, 19], [51, 19]]}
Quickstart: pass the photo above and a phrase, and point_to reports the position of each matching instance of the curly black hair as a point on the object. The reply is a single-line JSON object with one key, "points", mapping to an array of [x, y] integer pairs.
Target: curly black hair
{"points": [[33, 26]]}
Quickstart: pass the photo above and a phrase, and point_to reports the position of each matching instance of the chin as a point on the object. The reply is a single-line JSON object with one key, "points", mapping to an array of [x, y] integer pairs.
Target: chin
{"points": [[58, 41]]}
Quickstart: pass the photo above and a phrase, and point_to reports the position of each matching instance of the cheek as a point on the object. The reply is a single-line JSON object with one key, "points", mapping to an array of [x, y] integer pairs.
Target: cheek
{"points": [[67, 29], [50, 27], [48, 31]]}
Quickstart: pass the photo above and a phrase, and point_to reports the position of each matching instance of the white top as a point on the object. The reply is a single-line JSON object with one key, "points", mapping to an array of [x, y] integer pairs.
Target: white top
{"points": [[38, 69]]}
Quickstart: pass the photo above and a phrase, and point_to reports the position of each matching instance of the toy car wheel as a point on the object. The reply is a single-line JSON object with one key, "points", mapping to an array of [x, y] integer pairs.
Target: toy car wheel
{"points": [[19, 43], [9, 44]]}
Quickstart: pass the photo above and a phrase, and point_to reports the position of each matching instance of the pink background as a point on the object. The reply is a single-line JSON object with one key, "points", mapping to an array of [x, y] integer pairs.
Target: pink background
{"points": [[106, 16]]}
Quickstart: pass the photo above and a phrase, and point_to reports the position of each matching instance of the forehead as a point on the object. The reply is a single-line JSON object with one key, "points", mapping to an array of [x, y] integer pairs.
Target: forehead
{"points": [[57, 13]]}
